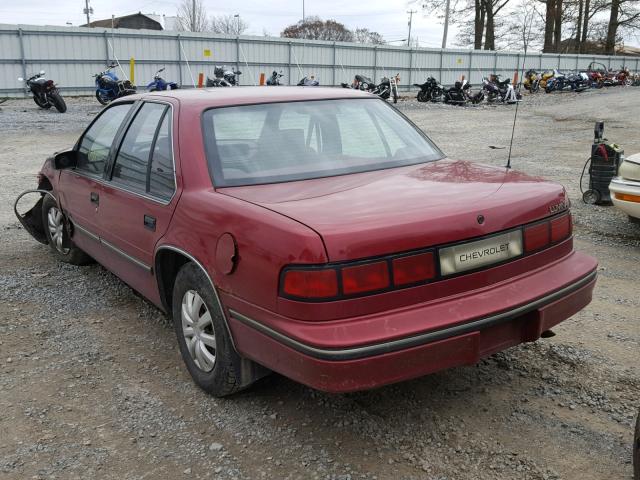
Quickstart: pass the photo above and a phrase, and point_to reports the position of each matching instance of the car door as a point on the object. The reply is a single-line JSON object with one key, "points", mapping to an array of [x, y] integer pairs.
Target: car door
{"points": [[139, 196], [79, 187]]}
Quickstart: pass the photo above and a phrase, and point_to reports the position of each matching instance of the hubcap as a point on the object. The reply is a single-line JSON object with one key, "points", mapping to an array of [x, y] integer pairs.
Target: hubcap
{"points": [[56, 229], [197, 328]]}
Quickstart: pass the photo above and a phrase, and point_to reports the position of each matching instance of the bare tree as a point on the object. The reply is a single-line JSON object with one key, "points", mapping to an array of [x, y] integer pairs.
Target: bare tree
{"points": [[364, 35], [192, 16], [314, 28], [526, 19], [624, 15], [228, 24]]}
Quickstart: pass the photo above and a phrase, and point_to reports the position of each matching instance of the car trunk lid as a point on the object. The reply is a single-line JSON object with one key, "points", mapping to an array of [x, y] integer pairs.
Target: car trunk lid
{"points": [[401, 209]]}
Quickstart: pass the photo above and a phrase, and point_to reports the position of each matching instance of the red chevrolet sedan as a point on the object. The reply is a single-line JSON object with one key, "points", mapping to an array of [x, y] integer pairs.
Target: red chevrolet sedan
{"points": [[314, 232]]}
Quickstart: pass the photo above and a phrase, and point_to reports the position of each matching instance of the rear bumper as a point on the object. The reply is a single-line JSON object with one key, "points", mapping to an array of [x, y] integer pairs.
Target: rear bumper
{"points": [[355, 366]]}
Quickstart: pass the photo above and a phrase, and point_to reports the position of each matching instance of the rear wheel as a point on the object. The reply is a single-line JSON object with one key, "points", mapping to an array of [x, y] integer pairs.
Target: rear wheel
{"points": [[203, 338], [58, 102], [57, 233], [422, 96], [101, 98]]}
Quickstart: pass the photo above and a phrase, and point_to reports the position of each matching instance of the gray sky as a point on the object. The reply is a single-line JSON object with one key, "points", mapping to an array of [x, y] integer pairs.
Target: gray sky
{"points": [[387, 17]]}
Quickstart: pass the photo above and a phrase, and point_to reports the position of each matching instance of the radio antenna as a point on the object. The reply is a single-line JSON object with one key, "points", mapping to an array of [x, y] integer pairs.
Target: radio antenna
{"points": [[525, 35]]}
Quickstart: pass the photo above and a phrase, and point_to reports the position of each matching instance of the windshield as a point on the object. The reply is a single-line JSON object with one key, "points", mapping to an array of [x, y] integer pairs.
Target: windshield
{"points": [[279, 142]]}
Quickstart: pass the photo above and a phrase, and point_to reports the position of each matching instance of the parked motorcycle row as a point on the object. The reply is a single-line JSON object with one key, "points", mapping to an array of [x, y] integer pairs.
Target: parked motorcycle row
{"points": [[596, 75], [494, 89]]}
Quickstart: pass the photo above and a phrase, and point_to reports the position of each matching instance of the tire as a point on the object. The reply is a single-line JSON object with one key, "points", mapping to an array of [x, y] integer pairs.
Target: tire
{"points": [[422, 96], [61, 245], [193, 297], [535, 86], [101, 99], [395, 95], [58, 102], [46, 105]]}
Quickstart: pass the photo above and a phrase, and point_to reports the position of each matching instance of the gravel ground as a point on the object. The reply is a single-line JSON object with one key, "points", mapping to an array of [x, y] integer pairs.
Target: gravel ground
{"points": [[92, 384]]}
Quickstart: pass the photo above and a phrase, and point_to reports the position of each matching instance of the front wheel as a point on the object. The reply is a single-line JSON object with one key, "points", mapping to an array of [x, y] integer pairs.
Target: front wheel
{"points": [[58, 102], [102, 98], [57, 233], [203, 338], [395, 94]]}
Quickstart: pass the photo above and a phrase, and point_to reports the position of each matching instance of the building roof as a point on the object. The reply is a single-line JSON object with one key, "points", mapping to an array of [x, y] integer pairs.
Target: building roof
{"points": [[117, 21]]}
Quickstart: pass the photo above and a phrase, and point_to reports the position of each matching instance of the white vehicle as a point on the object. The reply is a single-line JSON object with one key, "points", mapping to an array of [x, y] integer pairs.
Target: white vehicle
{"points": [[625, 188]]}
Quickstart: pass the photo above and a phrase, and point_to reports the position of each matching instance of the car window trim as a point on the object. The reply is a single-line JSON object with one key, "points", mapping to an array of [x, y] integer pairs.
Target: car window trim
{"points": [[108, 181], [147, 186]]}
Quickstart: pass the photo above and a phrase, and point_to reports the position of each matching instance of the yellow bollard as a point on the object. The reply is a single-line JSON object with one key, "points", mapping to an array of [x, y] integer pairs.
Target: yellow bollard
{"points": [[132, 64]]}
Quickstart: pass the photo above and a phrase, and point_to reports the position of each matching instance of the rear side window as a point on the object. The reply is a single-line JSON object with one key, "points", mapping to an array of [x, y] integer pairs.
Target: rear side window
{"points": [[161, 179], [97, 140], [132, 160]]}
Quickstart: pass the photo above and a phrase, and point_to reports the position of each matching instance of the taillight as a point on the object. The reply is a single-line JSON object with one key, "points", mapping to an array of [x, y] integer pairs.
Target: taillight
{"points": [[313, 284], [413, 269], [536, 237], [367, 277], [560, 228]]}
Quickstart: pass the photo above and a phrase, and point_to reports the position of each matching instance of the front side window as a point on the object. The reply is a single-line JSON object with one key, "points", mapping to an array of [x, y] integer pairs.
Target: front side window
{"points": [[278, 142], [132, 161], [97, 140]]}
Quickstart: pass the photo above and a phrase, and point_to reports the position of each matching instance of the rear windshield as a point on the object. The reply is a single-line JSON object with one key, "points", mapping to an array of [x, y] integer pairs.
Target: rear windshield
{"points": [[280, 142]]}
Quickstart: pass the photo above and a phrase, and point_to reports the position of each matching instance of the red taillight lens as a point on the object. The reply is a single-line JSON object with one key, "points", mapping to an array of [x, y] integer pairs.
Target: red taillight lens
{"points": [[310, 283], [413, 269], [536, 237], [365, 278], [560, 228]]}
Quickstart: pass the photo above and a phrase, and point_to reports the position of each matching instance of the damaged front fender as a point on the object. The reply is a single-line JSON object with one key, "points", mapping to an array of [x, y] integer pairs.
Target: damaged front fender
{"points": [[32, 219]]}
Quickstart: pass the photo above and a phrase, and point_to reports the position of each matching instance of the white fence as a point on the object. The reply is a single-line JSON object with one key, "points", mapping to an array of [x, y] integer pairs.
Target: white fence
{"points": [[70, 56]]}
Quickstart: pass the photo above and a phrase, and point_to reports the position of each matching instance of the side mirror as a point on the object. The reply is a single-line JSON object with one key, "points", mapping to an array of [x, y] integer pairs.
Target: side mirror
{"points": [[64, 160], [20, 79], [41, 72]]}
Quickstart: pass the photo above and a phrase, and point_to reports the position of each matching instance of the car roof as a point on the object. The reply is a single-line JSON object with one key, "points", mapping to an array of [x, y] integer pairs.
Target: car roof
{"points": [[227, 96]]}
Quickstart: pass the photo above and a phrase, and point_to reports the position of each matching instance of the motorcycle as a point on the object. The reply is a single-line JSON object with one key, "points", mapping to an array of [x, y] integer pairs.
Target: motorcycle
{"points": [[387, 88], [545, 77], [109, 87], [45, 93], [308, 82], [499, 90], [531, 81], [460, 94], [160, 83], [577, 82], [224, 78], [596, 73], [430, 91], [274, 79]]}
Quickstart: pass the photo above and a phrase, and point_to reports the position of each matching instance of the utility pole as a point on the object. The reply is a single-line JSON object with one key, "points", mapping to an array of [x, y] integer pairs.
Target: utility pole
{"points": [[302, 11], [410, 12], [87, 11], [446, 24], [193, 15]]}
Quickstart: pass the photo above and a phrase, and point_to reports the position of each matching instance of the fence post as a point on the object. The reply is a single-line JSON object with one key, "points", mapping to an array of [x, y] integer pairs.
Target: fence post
{"points": [[577, 62], [495, 62], [290, 50], [540, 63], [375, 63], [238, 54], [333, 71], [106, 48], [470, 62], [179, 60], [559, 57], [410, 68], [440, 68], [23, 60]]}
